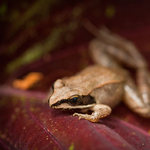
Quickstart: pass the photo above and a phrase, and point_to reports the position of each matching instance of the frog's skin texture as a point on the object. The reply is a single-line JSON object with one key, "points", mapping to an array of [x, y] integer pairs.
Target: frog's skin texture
{"points": [[100, 87]]}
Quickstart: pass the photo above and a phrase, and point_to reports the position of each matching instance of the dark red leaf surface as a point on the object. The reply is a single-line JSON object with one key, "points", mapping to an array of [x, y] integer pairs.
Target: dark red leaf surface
{"points": [[28, 123], [26, 120]]}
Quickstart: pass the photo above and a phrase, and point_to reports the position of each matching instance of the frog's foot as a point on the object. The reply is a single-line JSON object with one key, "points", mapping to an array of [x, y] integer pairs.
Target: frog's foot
{"points": [[99, 111]]}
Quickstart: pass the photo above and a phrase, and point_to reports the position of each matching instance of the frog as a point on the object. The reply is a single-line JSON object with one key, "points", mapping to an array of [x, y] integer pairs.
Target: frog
{"points": [[102, 86]]}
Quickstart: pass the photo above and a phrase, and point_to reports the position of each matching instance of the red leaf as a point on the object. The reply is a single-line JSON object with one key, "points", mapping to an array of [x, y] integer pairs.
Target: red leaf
{"points": [[31, 124]]}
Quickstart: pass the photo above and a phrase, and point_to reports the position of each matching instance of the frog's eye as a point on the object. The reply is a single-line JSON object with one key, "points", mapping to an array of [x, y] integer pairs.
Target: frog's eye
{"points": [[73, 100]]}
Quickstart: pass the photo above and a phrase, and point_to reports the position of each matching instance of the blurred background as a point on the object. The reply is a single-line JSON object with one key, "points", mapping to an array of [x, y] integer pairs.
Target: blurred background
{"points": [[43, 40], [47, 35]]}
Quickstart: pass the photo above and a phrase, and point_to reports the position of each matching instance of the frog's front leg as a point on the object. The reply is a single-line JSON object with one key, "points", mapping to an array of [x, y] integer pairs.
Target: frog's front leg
{"points": [[99, 111]]}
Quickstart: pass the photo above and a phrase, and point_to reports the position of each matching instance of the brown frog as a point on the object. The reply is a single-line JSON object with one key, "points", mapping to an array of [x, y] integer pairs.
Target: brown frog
{"points": [[100, 87]]}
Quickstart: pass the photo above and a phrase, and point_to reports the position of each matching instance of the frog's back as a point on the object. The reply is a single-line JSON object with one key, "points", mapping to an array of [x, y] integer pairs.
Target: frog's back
{"points": [[94, 77]]}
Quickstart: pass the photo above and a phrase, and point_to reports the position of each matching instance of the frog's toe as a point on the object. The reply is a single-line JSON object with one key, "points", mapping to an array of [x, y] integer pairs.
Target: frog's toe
{"points": [[79, 115], [91, 118]]}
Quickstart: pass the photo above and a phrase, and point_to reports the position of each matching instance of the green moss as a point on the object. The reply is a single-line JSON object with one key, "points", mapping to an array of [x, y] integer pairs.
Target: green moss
{"points": [[39, 7], [22, 98], [71, 147], [29, 56], [77, 11], [40, 49], [3, 9], [110, 11]]}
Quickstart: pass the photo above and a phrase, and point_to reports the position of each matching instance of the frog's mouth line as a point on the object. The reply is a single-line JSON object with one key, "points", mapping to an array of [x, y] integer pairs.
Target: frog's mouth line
{"points": [[79, 103], [67, 106]]}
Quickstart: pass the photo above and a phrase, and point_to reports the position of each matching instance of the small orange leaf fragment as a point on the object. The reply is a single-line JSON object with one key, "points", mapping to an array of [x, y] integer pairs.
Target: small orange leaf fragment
{"points": [[28, 81]]}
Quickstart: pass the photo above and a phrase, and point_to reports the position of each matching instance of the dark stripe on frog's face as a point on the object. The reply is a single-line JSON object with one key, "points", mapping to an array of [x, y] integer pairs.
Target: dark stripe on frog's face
{"points": [[76, 100]]}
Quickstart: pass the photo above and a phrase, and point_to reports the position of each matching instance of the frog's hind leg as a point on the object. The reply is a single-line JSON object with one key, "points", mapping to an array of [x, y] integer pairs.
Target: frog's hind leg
{"points": [[143, 85], [98, 52], [117, 46], [138, 98], [109, 56]]}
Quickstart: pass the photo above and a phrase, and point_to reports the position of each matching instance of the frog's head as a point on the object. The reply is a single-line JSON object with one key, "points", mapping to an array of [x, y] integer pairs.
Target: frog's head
{"points": [[67, 97]]}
